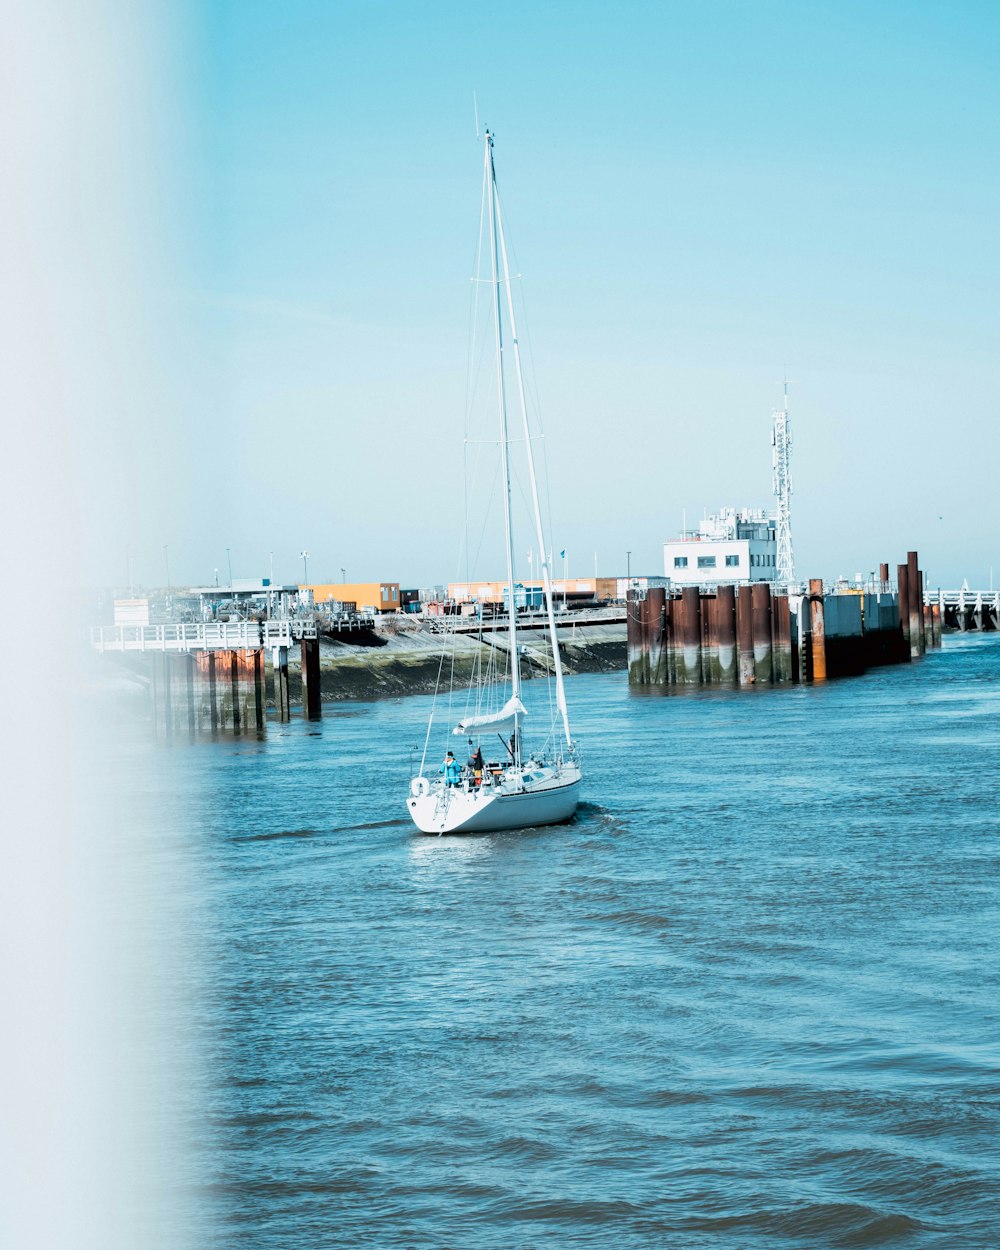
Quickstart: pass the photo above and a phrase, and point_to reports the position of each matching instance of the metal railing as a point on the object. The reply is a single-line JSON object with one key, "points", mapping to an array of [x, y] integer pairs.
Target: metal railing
{"points": [[202, 636]]}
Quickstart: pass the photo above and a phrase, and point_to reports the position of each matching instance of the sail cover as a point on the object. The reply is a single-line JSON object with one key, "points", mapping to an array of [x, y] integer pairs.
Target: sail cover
{"points": [[498, 722]]}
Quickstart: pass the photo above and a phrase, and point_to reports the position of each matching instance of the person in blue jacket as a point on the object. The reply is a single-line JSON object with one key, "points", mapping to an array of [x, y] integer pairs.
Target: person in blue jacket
{"points": [[452, 770]]}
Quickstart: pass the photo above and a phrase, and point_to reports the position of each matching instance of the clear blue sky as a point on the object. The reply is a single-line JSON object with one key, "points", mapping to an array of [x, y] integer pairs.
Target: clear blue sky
{"points": [[700, 195]]}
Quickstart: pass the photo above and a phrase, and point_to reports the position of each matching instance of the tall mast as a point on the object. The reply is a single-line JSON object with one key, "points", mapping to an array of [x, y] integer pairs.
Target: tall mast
{"points": [[515, 664], [539, 537], [781, 459]]}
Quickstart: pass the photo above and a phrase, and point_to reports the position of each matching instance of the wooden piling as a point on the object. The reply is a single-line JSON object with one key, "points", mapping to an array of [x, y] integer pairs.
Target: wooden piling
{"points": [[883, 577], [817, 629]]}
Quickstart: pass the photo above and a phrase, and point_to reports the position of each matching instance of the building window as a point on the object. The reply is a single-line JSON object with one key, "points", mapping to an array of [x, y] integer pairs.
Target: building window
{"points": [[732, 562], [385, 593], [680, 562], [706, 562]]}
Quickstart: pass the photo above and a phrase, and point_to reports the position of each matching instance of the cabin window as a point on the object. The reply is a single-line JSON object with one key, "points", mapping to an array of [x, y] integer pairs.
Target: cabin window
{"points": [[706, 562], [732, 562], [680, 562]]}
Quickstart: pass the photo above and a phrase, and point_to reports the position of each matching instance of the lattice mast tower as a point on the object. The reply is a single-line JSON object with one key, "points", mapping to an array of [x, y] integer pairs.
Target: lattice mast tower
{"points": [[781, 461]]}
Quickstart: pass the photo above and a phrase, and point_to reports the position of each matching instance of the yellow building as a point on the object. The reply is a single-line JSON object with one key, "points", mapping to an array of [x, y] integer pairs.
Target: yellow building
{"points": [[379, 596]]}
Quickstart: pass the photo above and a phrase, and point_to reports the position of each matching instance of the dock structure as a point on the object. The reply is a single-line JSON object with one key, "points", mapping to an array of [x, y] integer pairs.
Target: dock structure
{"points": [[760, 635], [966, 610], [211, 676]]}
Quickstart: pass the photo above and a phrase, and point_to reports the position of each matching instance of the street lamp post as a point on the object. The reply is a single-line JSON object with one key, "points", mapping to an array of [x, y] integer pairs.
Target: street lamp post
{"points": [[343, 576], [229, 561], [628, 567], [305, 567], [166, 561]]}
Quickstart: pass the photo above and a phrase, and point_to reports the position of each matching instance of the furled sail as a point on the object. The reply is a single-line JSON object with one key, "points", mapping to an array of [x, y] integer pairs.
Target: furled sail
{"points": [[497, 722]]}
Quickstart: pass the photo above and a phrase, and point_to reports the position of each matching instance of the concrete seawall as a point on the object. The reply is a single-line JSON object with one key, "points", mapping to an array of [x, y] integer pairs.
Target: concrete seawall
{"points": [[410, 662]]}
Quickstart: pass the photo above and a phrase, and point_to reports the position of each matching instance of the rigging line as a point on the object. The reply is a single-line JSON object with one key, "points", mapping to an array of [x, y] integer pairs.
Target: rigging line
{"points": [[536, 405], [522, 400], [511, 442], [526, 337], [470, 371], [451, 679], [430, 719], [489, 506]]}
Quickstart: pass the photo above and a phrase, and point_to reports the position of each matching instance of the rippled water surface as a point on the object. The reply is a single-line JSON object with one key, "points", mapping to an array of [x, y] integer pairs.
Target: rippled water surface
{"points": [[748, 998]]}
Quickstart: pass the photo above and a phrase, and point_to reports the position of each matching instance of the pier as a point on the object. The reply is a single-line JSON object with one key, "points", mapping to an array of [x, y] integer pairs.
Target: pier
{"points": [[755, 634], [968, 609], [212, 677]]}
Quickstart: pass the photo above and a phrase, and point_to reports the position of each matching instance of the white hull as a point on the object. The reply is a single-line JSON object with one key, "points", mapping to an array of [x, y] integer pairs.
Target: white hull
{"points": [[494, 809]]}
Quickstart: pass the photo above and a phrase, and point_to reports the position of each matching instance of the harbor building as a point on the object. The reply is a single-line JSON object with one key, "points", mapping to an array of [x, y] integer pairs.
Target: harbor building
{"points": [[365, 596], [527, 593], [732, 545]]}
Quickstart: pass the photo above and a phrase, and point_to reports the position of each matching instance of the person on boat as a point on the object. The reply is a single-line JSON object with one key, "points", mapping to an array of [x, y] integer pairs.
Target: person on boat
{"points": [[451, 769], [476, 767]]}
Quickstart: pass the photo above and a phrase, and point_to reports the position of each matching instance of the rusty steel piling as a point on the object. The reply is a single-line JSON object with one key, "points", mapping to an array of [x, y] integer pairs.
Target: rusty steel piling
{"points": [[711, 612], [656, 598], [312, 706], [634, 638], [689, 630], [725, 629], [744, 635], [751, 634], [781, 639], [903, 589], [817, 630], [279, 669], [763, 665], [915, 599]]}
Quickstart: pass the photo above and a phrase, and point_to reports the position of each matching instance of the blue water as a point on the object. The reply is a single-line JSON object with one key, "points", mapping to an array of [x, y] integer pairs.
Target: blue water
{"points": [[748, 998]]}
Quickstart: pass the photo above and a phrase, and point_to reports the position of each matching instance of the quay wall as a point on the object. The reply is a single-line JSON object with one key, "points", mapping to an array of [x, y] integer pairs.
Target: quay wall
{"points": [[758, 635], [232, 692]]}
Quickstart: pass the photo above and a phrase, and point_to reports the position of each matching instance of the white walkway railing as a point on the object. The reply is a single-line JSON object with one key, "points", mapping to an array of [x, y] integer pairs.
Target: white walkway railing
{"points": [[202, 636]]}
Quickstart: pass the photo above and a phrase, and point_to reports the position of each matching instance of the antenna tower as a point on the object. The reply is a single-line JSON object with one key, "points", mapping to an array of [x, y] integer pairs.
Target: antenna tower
{"points": [[781, 461]]}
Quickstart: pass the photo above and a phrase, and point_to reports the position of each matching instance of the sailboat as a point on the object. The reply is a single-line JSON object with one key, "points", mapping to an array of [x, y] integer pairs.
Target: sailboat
{"points": [[526, 786]]}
